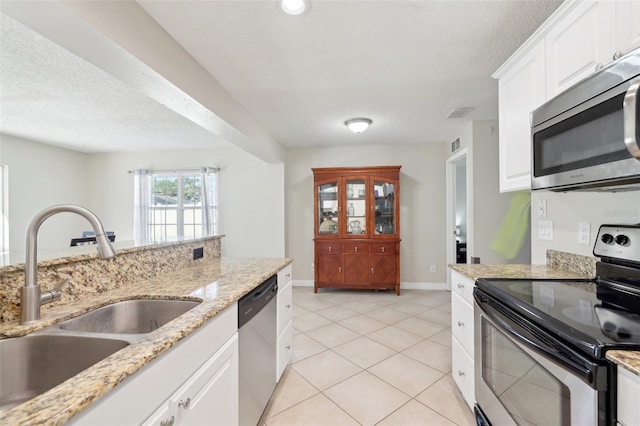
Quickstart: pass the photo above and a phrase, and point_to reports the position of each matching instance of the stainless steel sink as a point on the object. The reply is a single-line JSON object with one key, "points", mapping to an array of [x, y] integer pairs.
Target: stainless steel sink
{"points": [[129, 317], [33, 364]]}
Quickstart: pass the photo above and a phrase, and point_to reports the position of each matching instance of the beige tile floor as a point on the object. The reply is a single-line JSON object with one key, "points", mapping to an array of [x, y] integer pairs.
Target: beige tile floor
{"points": [[369, 358]]}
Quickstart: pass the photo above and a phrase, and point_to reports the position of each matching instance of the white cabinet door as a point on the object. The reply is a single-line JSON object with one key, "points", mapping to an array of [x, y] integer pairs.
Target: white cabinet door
{"points": [[210, 396], [578, 44], [627, 25], [462, 371], [285, 348], [285, 306], [521, 90], [628, 398]]}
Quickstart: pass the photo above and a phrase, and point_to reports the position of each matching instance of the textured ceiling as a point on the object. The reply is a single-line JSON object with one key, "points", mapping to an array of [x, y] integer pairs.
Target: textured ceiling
{"points": [[404, 64], [52, 96]]}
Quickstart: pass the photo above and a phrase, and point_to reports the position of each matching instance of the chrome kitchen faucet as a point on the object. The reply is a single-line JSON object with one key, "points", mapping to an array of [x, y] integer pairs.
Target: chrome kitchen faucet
{"points": [[31, 297]]}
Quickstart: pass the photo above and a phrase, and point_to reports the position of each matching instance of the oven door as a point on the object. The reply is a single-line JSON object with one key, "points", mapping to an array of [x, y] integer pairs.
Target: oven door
{"points": [[526, 376]]}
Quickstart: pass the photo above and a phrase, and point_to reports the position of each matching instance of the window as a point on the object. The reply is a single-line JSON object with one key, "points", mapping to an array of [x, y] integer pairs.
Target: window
{"points": [[175, 205]]}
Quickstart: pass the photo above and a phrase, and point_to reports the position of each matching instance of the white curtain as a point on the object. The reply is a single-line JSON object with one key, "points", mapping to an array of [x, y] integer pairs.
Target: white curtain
{"points": [[209, 201], [141, 204]]}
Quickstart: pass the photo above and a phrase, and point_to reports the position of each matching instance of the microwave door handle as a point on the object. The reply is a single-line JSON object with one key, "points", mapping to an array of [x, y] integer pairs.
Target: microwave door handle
{"points": [[630, 114]]}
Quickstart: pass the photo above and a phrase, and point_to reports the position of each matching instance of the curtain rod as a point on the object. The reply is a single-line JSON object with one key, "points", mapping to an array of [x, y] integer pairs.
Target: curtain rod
{"points": [[201, 169]]}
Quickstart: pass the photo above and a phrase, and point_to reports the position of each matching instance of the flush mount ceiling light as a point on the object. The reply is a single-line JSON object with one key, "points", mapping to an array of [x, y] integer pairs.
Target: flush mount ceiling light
{"points": [[358, 125], [294, 7]]}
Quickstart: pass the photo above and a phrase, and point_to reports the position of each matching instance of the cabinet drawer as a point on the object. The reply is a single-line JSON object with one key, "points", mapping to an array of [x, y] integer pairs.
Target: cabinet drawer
{"points": [[462, 322], [285, 297], [284, 347], [628, 397], [356, 248], [386, 248], [463, 286], [329, 248], [285, 275], [462, 371]]}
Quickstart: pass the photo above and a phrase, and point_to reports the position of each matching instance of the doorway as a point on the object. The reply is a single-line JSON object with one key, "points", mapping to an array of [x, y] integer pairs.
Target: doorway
{"points": [[459, 223]]}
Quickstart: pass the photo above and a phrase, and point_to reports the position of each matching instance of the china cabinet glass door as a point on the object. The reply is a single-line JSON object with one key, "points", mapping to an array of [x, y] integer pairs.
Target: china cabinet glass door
{"points": [[356, 207], [328, 208], [385, 222]]}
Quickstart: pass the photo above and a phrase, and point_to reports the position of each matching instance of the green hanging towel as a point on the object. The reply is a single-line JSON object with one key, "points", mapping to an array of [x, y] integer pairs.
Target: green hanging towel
{"points": [[513, 230]]}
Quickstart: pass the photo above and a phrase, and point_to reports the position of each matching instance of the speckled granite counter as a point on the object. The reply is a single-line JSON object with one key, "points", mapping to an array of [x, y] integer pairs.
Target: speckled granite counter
{"points": [[629, 360], [515, 271], [218, 283]]}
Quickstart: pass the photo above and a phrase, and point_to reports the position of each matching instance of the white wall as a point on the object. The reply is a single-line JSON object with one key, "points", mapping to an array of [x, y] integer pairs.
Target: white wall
{"points": [[251, 193], [488, 207], [422, 203], [41, 176], [567, 209]]}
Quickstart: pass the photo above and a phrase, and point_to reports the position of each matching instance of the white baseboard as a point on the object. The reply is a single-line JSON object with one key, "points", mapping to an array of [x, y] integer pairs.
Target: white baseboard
{"points": [[403, 285]]}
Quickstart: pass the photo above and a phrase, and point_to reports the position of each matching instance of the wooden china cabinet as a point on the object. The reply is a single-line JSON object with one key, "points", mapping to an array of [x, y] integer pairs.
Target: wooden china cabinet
{"points": [[357, 227]]}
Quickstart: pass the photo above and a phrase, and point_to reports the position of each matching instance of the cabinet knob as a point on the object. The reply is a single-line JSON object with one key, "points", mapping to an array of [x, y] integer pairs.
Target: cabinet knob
{"points": [[356, 250], [288, 347], [339, 268], [460, 286], [460, 324], [288, 306], [383, 249], [460, 373], [184, 403], [372, 270], [329, 249], [168, 422], [288, 275]]}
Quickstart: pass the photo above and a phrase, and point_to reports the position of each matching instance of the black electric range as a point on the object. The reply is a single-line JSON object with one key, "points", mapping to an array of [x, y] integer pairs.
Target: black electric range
{"points": [[592, 315]]}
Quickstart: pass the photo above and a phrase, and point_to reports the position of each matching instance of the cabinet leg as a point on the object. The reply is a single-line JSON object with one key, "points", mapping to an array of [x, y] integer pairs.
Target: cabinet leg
{"points": [[315, 288], [398, 289]]}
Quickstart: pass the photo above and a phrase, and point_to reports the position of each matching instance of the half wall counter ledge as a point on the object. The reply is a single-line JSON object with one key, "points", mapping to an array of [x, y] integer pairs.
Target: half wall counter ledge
{"points": [[89, 276]]}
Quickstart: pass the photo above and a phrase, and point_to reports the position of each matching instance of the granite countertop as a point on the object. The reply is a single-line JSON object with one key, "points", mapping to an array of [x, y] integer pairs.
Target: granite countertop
{"points": [[217, 283], [477, 271], [629, 360]]}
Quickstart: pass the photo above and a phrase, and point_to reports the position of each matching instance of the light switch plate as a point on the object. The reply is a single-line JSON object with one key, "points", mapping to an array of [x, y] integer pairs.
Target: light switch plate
{"points": [[542, 208]]}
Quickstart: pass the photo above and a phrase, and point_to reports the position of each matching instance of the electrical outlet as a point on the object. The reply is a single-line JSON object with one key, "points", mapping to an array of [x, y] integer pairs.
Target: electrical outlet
{"points": [[542, 208], [545, 230], [433, 268], [198, 253], [584, 233]]}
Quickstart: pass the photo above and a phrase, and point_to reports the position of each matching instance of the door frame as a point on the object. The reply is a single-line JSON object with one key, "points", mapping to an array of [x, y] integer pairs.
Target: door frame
{"points": [[450, 223]]}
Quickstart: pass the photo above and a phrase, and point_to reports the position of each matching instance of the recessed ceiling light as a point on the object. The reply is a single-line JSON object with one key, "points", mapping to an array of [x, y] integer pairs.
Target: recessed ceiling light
{"points": [[294, 7], [358, 125]]}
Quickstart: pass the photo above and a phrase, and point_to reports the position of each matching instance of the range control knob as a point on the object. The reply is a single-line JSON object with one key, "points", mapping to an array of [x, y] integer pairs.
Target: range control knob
{"points": [[622, 240], [607, 238]]}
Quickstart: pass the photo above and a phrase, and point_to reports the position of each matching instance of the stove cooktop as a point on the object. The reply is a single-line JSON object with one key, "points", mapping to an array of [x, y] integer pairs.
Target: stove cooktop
{"points": [[578, 311]]}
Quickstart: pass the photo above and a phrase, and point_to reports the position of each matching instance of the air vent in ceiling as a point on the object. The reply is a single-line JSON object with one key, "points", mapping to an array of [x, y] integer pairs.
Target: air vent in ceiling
{"points": [[459, 112]]}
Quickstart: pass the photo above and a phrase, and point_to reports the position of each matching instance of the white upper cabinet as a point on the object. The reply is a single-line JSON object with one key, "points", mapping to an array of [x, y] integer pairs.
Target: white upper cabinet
{"points": [[579, 44], [579, 37], [521, 90]]}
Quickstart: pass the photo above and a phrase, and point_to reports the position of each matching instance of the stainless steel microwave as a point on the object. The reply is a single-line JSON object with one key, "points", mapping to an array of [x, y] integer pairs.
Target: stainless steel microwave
{"points": [[588, 137]]}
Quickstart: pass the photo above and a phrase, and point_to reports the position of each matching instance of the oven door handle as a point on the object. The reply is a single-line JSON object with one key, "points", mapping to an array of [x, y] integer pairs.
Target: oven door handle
{"points": [[630, 114], [537, 339]]}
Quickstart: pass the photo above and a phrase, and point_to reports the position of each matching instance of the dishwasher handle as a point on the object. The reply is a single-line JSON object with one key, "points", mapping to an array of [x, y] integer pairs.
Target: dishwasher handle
{"points": [[253, 302]]}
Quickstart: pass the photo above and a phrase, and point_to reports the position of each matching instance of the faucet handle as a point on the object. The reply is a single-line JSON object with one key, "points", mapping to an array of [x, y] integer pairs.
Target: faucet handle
{"points": [[53, 295]]}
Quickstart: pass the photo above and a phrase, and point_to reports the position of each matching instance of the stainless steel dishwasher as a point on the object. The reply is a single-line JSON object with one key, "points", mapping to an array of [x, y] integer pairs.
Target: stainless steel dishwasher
{"points": [[257, 343]]}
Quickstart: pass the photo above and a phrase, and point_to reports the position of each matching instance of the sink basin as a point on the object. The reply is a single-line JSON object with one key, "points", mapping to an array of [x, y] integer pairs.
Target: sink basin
{"points": [[129, 317], [33, 364]]}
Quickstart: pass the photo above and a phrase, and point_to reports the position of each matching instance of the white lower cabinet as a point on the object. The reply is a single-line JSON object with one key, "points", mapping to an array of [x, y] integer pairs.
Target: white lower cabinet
{"points": [[462, 330], [193, 383], [284, 320], [209, 397], [628, 398]]}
